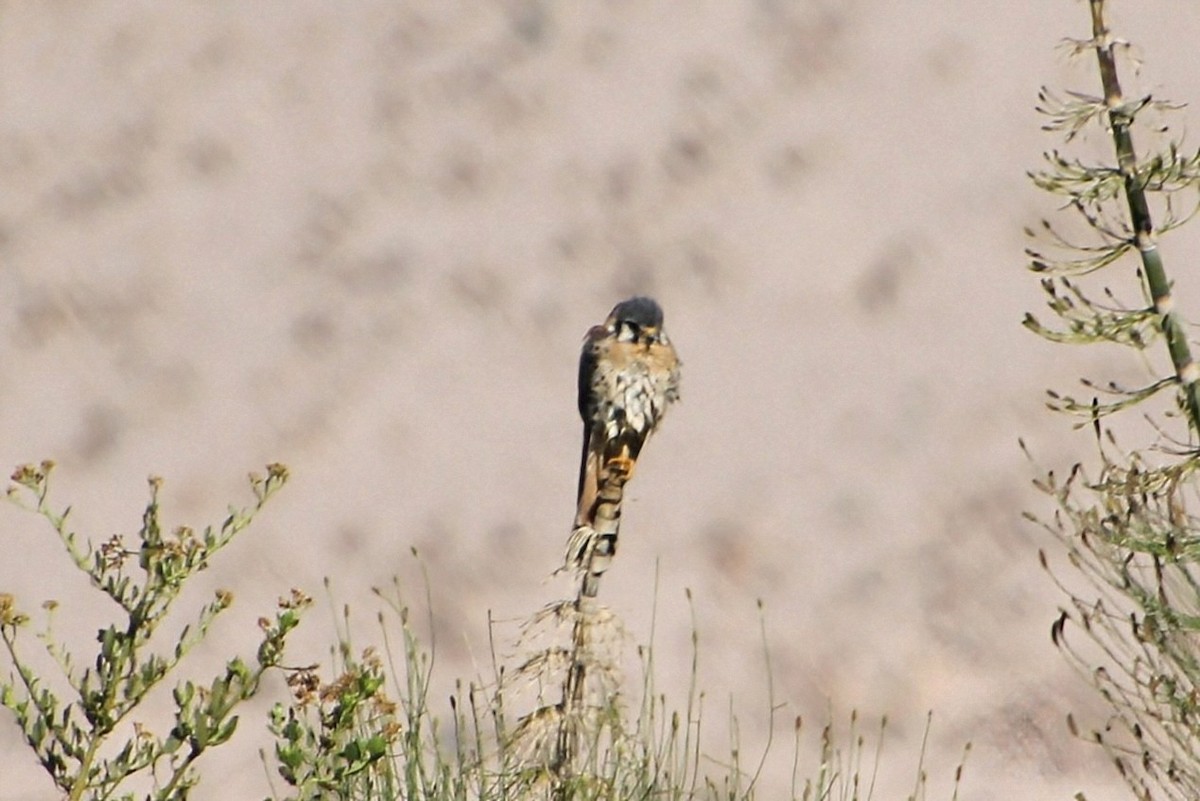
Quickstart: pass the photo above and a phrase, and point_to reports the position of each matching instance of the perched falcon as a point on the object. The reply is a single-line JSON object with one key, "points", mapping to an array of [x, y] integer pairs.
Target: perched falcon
{"points": [[628, 375]]}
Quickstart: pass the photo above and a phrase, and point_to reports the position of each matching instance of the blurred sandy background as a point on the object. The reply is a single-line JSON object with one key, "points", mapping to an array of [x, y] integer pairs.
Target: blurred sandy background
{"points": [[365, 240]]}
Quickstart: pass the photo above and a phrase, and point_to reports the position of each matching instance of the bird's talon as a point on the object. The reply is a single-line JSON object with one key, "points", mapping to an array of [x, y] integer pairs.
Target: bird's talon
{"points": [[620, 468]]}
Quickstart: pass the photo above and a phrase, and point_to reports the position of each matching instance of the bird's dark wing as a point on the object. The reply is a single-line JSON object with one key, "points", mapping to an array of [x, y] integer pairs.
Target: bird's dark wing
{"points": [[589, 478], [589, 461], [588, 358]]}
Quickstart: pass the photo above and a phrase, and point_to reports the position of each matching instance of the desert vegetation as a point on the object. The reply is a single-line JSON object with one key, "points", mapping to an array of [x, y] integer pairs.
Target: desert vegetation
{"points": [[563, 720]]}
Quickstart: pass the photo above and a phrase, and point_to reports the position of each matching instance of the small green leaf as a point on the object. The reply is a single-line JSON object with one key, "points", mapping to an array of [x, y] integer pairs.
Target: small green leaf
{"points": [[224, 732]]}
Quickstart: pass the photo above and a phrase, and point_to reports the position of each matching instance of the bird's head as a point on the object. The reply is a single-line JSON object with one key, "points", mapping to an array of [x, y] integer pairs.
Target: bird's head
{"points": [[638, 319]]}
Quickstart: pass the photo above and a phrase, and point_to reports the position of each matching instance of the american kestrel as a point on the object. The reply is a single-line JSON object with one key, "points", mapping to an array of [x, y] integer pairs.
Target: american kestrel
{"points": [[628, 376]]}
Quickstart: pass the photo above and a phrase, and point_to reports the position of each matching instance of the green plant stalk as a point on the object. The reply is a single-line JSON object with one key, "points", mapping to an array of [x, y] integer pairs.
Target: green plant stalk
{"points": [[1120, 119]]}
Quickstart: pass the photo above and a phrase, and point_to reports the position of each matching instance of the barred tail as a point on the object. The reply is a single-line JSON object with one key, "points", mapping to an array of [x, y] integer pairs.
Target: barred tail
{"points": [[593, 543]]}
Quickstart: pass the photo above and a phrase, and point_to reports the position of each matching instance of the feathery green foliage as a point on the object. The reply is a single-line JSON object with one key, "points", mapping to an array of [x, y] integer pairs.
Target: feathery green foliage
{"points": [[1130, 627]]}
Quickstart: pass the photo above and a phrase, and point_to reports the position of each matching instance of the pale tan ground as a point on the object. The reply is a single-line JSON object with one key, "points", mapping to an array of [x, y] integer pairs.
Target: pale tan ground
{"points": [[365, 240]]}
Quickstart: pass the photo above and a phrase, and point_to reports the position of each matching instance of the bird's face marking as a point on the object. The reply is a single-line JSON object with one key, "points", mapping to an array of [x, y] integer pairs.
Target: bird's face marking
{"points": [[633, 333]]}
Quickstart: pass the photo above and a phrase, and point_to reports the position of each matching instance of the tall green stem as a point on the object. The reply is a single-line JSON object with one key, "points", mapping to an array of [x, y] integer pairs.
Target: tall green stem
{"points": [[1120, 118]]}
